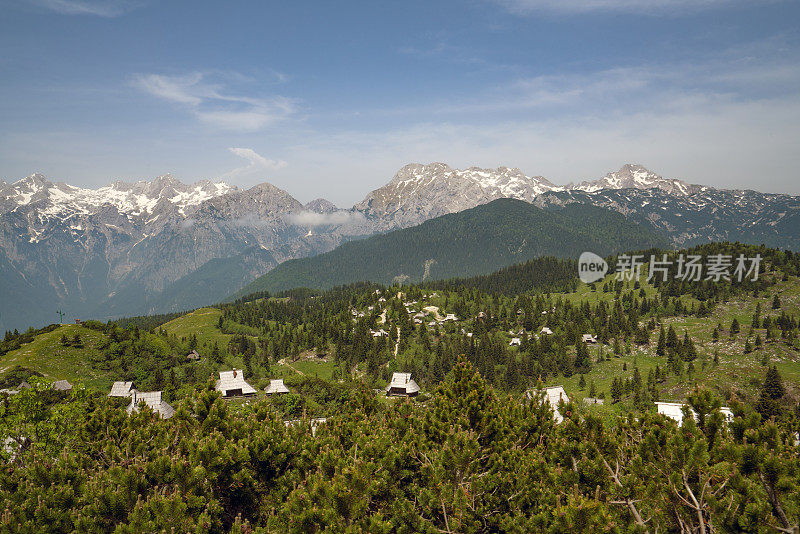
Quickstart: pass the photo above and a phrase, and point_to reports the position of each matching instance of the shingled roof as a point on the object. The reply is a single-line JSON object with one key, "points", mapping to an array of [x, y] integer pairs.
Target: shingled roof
{"points": [[402, 385], [276, 386], [121, 389], [552, 396], [153, 400], [232, 383]]}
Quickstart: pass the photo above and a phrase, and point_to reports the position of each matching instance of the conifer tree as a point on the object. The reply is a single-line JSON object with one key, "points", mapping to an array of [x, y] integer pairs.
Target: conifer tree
{"points": [[772, 392]]}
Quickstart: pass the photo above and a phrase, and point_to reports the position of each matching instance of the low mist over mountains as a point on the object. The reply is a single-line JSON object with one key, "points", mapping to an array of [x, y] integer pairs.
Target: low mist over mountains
{"points": [[147, 247], [476, 241]]}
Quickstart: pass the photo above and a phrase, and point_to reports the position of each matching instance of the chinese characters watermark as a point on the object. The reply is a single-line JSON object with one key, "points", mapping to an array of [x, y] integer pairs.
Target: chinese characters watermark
{"points": [[690, 268]]}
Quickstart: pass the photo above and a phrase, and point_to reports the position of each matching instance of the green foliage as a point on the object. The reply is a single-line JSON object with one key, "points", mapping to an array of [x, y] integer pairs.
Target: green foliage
{"points": [[469, 243], [470, 461]]}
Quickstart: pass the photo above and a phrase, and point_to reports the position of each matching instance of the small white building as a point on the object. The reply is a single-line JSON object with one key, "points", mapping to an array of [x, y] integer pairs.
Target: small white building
{"points": [[121, 389], [546, 331], [552, 396], [276, 387], [379, 333], [674, 410], [589, 338], [402, 385], [450, 317], [515, 341], [232, 384], [153, 400]]}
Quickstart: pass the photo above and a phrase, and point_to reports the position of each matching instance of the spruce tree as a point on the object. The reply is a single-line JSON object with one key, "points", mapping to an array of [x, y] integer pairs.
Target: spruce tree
{"points": [[772, 391], [661, 348], [734, 327]]}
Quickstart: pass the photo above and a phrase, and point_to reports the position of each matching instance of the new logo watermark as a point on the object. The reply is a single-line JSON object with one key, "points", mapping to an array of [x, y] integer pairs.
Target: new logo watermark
{"points": [[591, 267], [690, 268]]}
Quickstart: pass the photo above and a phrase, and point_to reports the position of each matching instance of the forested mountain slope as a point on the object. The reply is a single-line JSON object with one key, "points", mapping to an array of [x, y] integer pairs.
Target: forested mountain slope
{"points": [[472, 242]]}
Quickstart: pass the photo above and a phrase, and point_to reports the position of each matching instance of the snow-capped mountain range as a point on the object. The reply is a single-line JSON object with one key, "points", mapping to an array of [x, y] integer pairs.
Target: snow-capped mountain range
{"points": [[161, 245], [420, 192], [140, 199]]}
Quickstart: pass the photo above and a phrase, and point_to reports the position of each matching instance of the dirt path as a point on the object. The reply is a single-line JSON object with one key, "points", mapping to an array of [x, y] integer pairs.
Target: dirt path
{"points": [[283, 361]]}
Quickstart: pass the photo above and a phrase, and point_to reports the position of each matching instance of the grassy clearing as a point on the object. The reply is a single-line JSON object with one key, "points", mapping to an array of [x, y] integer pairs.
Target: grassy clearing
{"points": [[320, 369], [48, 356], [202, 323]]}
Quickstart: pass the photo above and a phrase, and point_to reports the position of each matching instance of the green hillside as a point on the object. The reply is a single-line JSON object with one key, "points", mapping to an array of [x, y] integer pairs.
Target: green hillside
{"points": [[48, 356], [311, 334], [202, 287], [468, 243]]}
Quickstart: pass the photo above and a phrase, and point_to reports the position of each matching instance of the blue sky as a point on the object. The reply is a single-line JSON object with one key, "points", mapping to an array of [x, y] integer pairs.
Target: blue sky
{"points": [[331, 98]]}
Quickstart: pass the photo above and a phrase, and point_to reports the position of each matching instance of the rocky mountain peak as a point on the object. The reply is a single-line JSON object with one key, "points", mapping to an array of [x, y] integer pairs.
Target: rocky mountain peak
{"points": [[32, 183], [320, 205], [422, 191], [29, 189], [636, 176]]}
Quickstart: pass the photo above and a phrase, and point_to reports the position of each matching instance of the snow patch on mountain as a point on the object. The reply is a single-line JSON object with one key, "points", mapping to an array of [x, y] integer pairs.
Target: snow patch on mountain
{"points": [[132, 199], [637, 177]]}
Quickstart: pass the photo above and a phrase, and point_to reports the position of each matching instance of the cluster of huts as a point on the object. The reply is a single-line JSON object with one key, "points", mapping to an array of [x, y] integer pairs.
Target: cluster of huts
{"points": [[674, 410], [58, 385], [232, 384], [545, 331]]}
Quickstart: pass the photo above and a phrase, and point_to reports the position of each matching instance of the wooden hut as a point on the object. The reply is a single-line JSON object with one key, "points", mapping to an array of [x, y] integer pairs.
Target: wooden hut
{"points": [[402, 385], [232, 384], [276, 387], [153, 400]]}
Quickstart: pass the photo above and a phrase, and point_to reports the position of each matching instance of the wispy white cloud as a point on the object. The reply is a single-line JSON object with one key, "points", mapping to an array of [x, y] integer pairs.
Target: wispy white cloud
{"points": [[212, 104], [725, 121], [100, 8], [257, 165], [622, 6]]}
